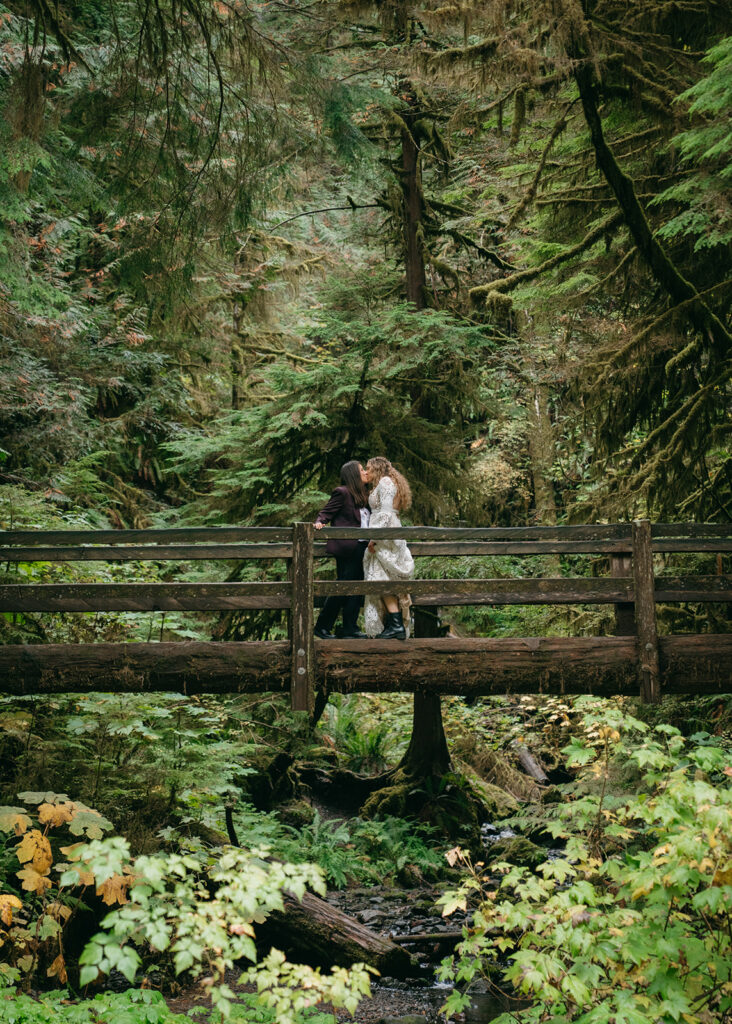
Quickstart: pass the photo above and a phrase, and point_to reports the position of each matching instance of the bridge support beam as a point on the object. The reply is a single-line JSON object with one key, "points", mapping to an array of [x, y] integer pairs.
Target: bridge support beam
{"points": [[606, 666]]}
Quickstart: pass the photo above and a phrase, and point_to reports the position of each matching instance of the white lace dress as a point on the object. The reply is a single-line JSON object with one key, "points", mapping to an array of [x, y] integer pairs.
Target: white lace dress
{"points": [[390, 559]]}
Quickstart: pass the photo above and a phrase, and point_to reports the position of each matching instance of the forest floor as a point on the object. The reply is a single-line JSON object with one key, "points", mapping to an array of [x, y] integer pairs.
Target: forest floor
{"points": [[390, 911], [395, 912]]}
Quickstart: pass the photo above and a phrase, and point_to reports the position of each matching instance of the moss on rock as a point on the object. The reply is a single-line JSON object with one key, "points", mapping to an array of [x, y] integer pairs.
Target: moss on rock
{"points": [[519, 851], [450, 803]]}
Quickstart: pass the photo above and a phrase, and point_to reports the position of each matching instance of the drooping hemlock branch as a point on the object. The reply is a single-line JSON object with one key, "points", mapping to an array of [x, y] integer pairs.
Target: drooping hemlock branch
{"points": [[680, 290], [530, 193], [507, 284]]}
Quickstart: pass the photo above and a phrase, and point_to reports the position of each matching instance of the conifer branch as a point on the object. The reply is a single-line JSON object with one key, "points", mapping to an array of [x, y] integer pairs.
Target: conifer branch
{"points": [[482, 292], [665, 272], [326, 209], [528, 197]]}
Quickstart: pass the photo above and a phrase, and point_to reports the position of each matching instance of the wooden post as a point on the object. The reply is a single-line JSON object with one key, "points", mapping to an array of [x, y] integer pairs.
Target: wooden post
{"points": [[621, 567], [302, 683], [645, 612]]}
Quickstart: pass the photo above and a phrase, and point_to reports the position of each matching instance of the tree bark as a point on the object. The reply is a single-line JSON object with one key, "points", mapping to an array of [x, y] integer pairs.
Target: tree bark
{"points": [[541, 454], [605, 665], [427, 754], [411, 183], [312, 930]]}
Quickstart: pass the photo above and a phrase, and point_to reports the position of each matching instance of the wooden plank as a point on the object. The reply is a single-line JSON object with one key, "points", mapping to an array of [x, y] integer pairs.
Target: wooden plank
{"points": [[145, 553], [691, 530], [431, 549], [184, 667], [697, 664], [426, 549], [694, 588], [645, 612], [141, 597], [621, 566], [582, 590], [722, 544], [302, 675], [482, 666], [600, 532], [184, 535]]}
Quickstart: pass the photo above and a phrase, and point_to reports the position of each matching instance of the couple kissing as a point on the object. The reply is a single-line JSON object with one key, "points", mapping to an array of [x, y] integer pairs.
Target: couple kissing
{"points": [[368, 497]]}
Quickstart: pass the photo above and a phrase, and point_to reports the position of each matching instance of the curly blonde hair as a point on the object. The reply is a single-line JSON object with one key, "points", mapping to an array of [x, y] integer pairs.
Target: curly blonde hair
{"points": [[381, 467]]}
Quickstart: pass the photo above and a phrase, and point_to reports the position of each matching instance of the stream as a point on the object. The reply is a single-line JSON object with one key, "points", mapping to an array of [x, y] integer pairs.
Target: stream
{"points": [[398, 913]]}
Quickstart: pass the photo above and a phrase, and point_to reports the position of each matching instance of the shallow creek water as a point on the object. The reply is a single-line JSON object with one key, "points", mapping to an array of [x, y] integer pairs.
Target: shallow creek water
{"points": [[401, 913]]}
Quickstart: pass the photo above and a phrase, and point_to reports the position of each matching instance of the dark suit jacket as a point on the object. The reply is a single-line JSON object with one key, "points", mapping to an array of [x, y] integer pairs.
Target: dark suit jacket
{"points": [[341, 511]]}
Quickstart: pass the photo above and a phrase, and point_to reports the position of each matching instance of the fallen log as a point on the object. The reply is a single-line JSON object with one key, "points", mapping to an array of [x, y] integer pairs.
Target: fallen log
{"points": [[313, 931], [529, 763]]}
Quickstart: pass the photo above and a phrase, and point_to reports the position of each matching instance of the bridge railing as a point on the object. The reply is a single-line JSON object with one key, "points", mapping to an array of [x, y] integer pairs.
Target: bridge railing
{"points": [[631, 586]]}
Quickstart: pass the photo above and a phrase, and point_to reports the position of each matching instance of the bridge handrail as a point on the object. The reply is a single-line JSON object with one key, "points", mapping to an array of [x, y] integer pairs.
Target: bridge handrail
{"points": [[266, 542], [632, 586]]}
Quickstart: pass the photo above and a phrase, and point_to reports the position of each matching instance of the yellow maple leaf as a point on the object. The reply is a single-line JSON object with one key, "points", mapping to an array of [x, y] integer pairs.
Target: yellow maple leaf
{"points": [[33, 881], [7, 904], [34, 847], [114, 890], [14, 819], [58, 911], [69, 851], [58, 969], [722, 876], [56, 814]]}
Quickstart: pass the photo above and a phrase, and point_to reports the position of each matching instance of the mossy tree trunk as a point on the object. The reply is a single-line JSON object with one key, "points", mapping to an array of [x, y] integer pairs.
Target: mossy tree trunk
{"points": [[427, 754], [411, 181]]}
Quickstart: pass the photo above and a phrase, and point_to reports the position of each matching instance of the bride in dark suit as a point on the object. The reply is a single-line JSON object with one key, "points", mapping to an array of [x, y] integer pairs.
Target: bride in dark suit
{"points": [[348, 506]]}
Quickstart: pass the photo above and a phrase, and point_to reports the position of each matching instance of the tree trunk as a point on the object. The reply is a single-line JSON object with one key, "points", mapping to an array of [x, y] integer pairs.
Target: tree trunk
{"points": [[427, 754], [541, 454], [411, 182]]}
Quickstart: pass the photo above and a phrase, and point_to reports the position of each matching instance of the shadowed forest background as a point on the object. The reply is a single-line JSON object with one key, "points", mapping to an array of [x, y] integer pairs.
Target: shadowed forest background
{"points": [[242, 243]]}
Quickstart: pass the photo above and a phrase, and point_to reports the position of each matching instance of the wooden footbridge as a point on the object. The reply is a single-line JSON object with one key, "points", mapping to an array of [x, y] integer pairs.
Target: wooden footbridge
{"points": [[631, 573]]}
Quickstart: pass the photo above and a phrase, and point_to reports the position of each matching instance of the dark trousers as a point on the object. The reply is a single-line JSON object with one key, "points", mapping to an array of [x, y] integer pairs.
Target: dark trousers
{"points": [[348, 567]]}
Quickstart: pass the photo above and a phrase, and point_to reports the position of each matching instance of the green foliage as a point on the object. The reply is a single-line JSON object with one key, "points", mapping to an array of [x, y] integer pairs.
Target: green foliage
{"points": [[377, 378], [143, 1006], [363, 852], [199, 909], [632, 923], [706, 151], [38, 911], [363, 744], [202, 910], [135, 1006]]}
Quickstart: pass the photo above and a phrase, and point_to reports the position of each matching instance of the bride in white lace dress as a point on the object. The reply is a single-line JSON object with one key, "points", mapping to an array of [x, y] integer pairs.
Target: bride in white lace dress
{"points": [[387, 616]]}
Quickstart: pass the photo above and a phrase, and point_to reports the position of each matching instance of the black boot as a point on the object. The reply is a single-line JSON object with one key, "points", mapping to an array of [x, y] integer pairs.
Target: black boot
{"points": [[393, 627], [352, 633]]}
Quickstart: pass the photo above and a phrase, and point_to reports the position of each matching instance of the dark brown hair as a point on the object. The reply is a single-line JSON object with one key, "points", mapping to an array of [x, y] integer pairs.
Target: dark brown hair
{"points": [[351, 478]]}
